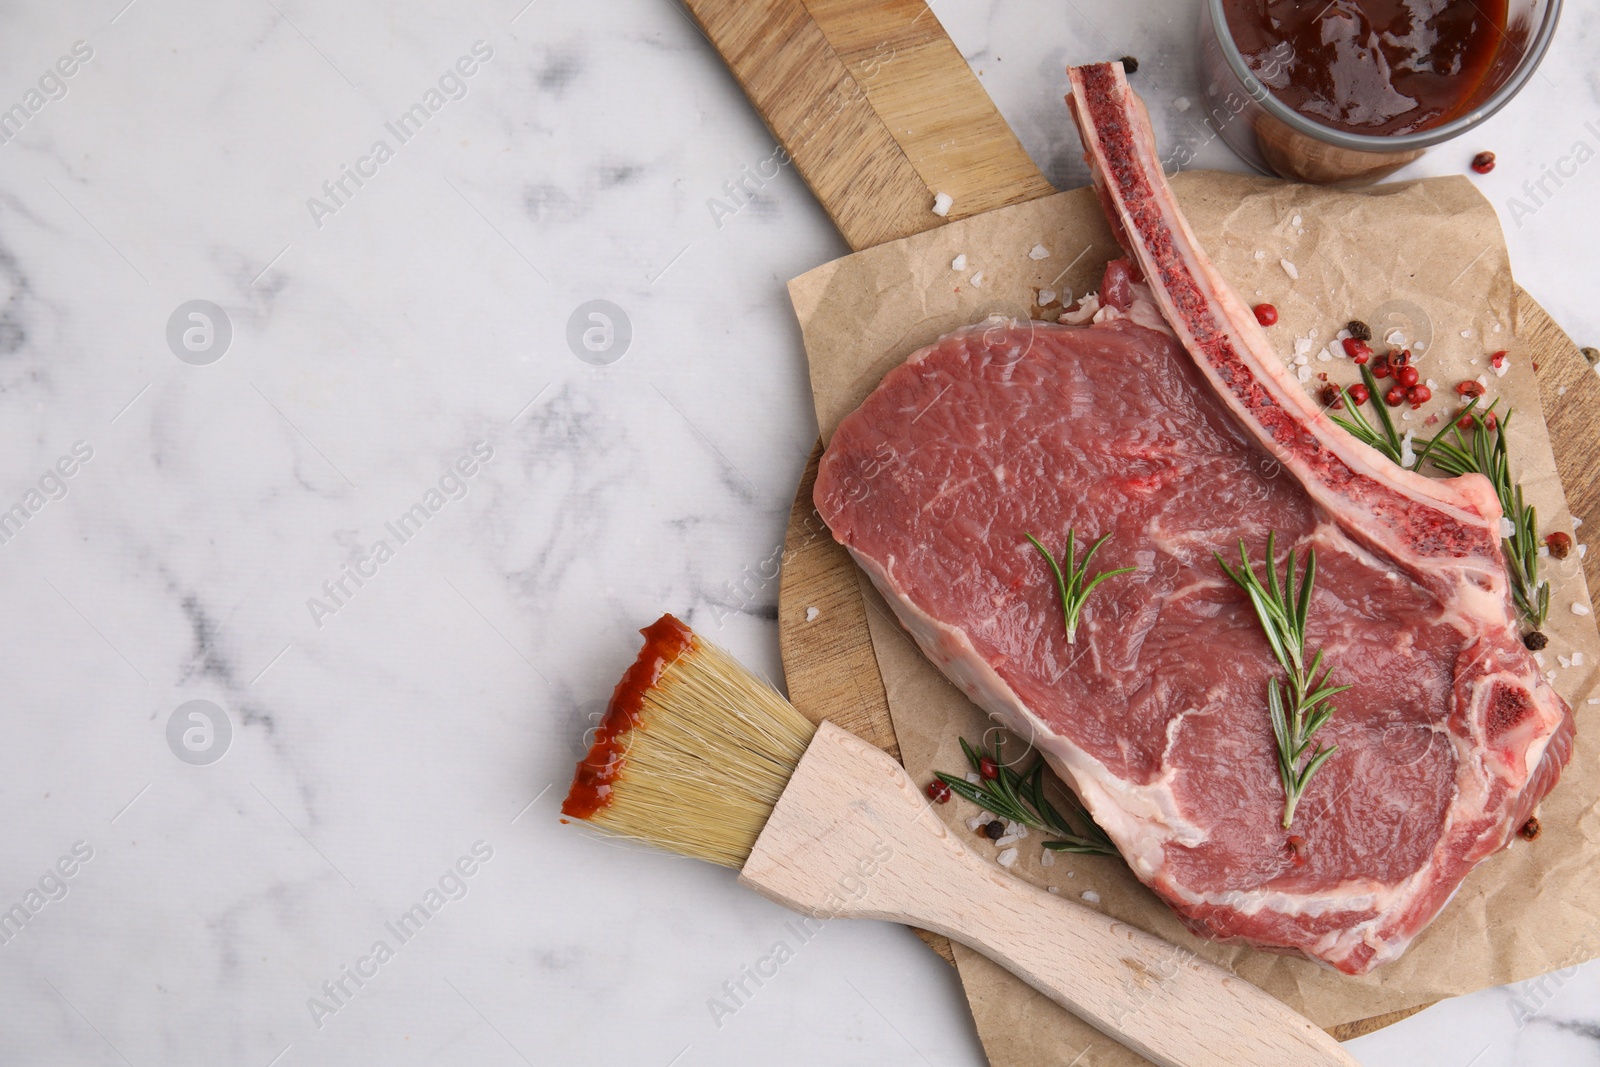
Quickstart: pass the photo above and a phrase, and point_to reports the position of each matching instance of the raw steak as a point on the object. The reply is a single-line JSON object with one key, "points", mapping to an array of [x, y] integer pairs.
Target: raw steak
{"points": [[1179, 440]]}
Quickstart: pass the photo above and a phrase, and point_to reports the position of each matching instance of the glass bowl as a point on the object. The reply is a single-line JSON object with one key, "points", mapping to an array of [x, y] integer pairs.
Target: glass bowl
{"points": [[1274, 138]]}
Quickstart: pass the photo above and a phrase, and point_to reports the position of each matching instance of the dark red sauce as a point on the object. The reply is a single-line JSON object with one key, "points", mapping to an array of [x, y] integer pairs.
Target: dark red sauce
{"points": [[1372, 66], [664, 641]]}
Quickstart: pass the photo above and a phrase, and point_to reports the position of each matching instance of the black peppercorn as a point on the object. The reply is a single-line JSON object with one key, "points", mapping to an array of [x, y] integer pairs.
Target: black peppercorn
{"points": [[1359, 330], [1535, 641], [995, 830], [1130, 65]]}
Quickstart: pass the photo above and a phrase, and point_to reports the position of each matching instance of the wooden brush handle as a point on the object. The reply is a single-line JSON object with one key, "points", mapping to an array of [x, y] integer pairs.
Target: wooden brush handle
{"points": [[876, 108], [853, 837]]}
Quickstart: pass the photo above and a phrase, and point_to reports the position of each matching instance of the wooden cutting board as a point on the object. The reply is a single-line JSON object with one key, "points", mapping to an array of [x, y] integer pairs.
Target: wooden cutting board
{"points": [[878, 111]]}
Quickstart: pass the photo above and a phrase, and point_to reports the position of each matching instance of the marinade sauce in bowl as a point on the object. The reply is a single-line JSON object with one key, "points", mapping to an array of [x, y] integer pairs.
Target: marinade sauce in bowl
{"points": [[1347, 91]]}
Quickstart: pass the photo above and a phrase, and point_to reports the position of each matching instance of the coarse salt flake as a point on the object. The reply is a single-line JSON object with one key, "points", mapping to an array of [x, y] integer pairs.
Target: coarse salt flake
{"points": [[1507, 527], [1594, 700], [811, 614], [1260, 254], [959, 263], [1004, 840], [1408, 455], [1503, 366], [1057, 889], [972, 776], [1565, 661], [976, 280], [1038, 252], [1577, 659], [1395, 338], [1007, 858], [1579, 608], [1295, 221], [1047, 857], [1046, 296], [942, 203], [1290, 269], [1303, 373], [1091, 896], [1182, 103]]}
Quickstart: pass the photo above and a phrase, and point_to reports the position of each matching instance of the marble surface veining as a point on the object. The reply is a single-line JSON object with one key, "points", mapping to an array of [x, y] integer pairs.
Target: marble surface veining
{"points": [[390, 508]]}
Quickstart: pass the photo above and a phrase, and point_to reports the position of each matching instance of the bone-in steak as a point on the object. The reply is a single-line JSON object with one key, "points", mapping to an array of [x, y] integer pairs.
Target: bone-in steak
{"points": [[1172, 426]]}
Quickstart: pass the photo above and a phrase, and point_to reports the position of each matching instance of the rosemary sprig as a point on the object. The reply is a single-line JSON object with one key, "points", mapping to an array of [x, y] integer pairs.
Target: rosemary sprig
{"points": [[1021, 798], [1383, 436], [1483, 452], [1438, 439], [1300, 707], [1075, 585]]}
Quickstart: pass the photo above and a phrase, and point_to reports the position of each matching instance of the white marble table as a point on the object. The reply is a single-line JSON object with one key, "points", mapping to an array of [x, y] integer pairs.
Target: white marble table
{"points": [[388, 731]]}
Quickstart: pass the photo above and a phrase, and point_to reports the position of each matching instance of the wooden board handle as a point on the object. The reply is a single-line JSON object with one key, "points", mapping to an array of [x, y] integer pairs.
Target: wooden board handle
{"points": [[876, 107], [853, 837]]}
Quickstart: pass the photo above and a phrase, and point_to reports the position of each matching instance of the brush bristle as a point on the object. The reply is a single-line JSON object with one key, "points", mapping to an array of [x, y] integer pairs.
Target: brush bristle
{"points": [[693, 754]]}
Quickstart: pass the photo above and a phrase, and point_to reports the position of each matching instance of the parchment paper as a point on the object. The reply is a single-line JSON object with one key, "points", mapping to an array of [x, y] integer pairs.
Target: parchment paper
{"points": [[1426, 258]]}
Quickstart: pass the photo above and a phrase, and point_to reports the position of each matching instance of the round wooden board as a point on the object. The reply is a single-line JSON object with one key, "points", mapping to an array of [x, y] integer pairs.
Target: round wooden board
{"points": [[832, 672]]}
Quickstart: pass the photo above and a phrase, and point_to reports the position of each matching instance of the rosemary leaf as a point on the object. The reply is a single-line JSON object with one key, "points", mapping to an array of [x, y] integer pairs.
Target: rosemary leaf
{"points": [[1434, 441]]}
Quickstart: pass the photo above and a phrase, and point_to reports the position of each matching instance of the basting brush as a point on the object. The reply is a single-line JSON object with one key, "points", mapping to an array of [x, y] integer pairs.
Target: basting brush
{"points": [[699, 756]]}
